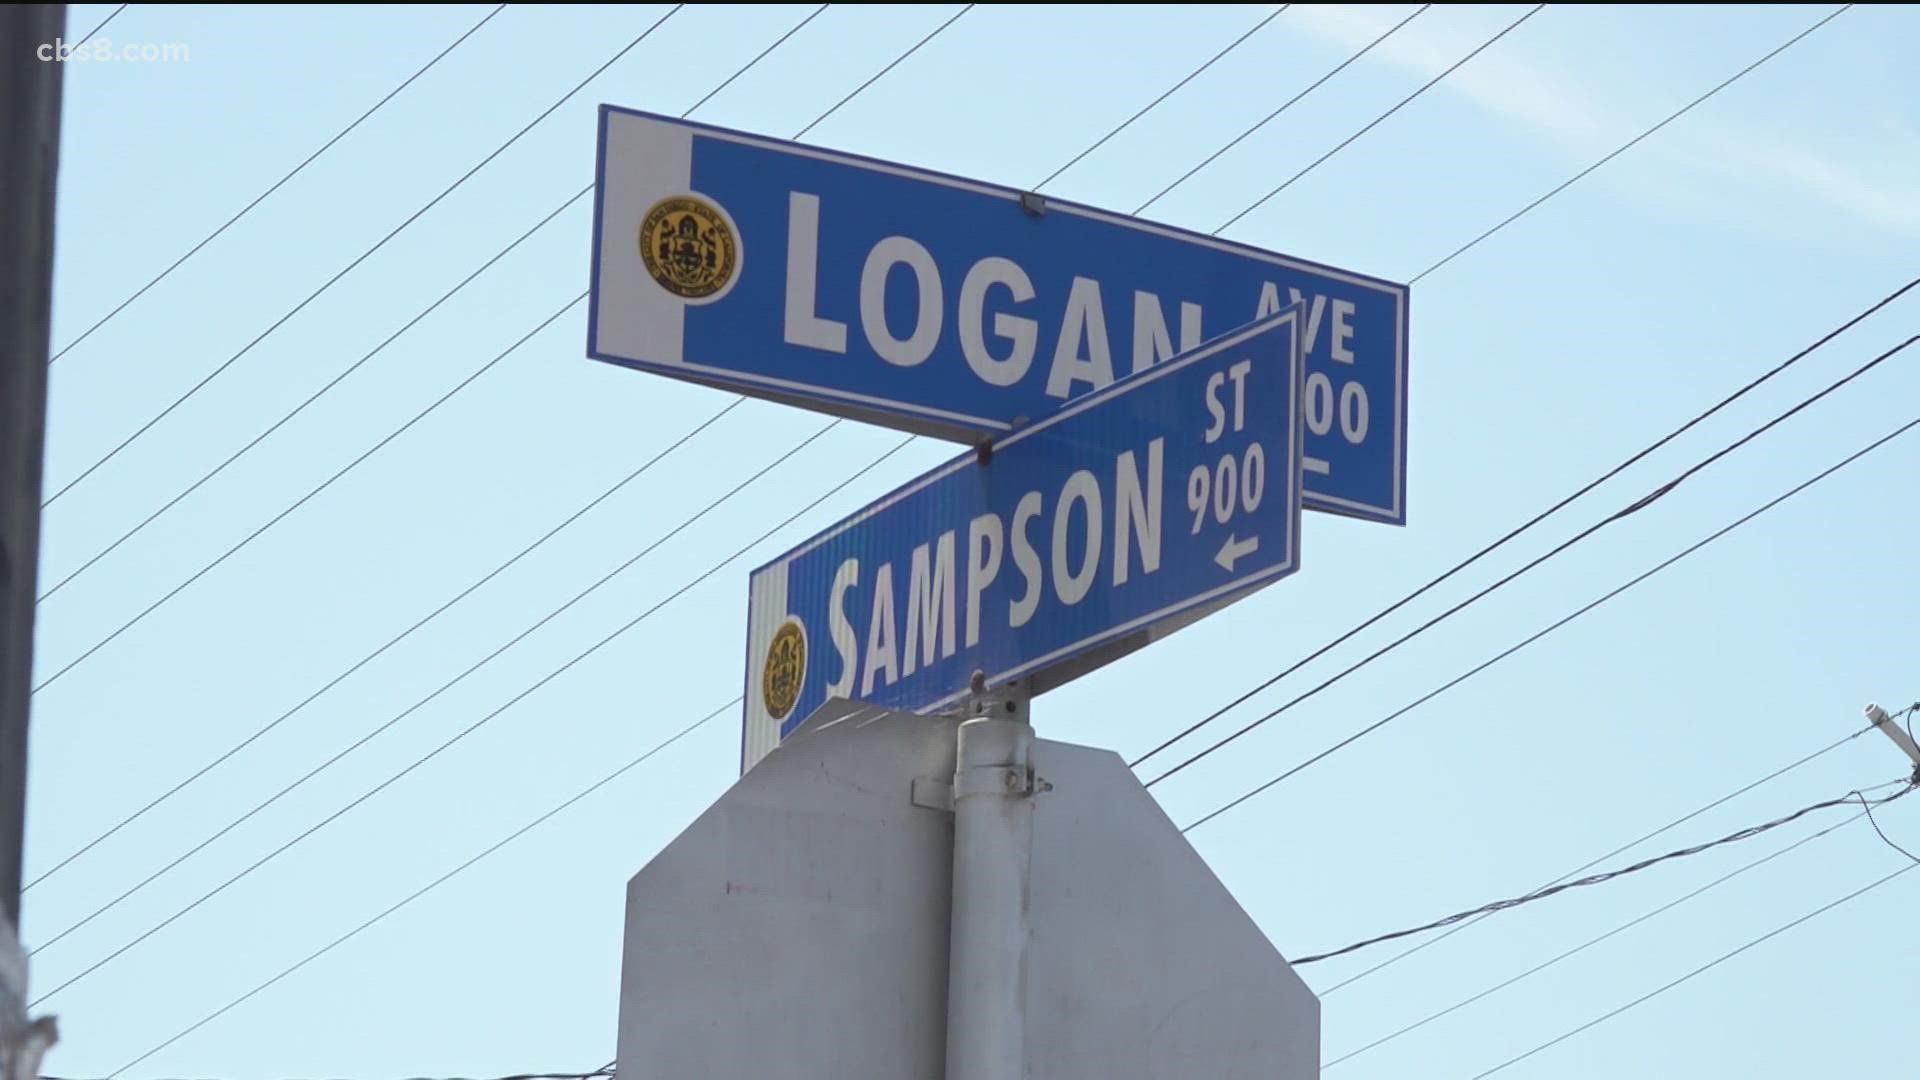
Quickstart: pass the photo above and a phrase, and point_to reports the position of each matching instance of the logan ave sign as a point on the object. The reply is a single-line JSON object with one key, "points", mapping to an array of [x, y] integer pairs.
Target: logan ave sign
{"points": [[953, 308]]}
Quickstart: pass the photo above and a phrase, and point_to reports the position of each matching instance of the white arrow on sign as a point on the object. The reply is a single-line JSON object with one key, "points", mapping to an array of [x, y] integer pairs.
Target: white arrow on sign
{"points": [[1234, 550]]}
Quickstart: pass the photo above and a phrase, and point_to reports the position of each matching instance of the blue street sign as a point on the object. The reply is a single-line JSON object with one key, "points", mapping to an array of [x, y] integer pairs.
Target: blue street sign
{"points": [[953, 308], [1132, 511]]}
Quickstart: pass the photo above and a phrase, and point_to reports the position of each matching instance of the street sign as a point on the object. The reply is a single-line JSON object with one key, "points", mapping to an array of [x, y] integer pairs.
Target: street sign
{"points": [[798, 928], [954, 308], [1130, 511]]}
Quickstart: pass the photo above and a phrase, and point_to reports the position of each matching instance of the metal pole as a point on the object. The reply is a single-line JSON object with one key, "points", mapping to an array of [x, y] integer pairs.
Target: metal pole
{"points": [[993, 785], [29, 156]]}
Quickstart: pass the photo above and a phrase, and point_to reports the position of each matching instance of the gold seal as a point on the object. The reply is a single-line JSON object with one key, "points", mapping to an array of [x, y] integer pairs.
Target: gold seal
{"points": [[689, 247], [786, 669]]}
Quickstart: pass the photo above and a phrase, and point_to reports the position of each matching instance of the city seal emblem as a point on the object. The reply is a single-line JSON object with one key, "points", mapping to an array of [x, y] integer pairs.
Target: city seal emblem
{"points": [[689, 247], [786, 669]]}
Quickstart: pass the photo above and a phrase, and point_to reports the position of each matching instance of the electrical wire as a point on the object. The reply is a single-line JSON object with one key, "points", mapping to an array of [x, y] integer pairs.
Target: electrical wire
{"points": [[1609, 474], [1376, 121], [711, 571], [425, 889], [1097, 143], [102, 25], [878, 75], [359, 259], [1620, 850], [381, 650], [1601, 878], [1536, 519], [1575, 883], [1103, 140], [445, 606], [470, 729], [1632, 508], [288, 417], [390, 642], [529, 631], [304, 499], [1867, 809], [1563, 621], [435, 405], [484, 579], [257, 809], [1702, 969], [378, 349], [1591, 942], [949, 22], [1630, 143], [1169, 92], [277, 184], [1288, 104], [1590, 485]]}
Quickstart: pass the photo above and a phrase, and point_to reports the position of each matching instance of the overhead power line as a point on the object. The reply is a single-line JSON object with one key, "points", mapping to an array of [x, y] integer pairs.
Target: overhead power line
{"points": [[1167, 93], [1376, 121], [595, 501], [102, 25], [957, 16], [390, 643], [878, 75], [949, 22], [1604, 877], [1621, 850], [1626, 511], [565, 804], [500, 650], [359, 259], [469, 863], [1867, 809], [1564, 502], [417, 417], [324, 389], [1701, 970], [304, 499], [1596, 482], [1564, 620], [277, 184], [1592, 941], [1630, 143], [470, 729], [229, 753], [1288, 104], [890, 66]]}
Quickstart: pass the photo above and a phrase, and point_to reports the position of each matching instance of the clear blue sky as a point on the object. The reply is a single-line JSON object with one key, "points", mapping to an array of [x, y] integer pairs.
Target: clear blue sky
{"points": [[1593, 325]]}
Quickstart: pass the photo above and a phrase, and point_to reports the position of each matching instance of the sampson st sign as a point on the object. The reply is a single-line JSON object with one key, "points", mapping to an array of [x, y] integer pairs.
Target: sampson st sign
{"points": [[1131, 512]]}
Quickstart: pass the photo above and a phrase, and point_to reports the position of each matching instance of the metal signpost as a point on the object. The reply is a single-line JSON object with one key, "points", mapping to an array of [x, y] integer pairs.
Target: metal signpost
{"points": [[1103, 523], [954, 308]]}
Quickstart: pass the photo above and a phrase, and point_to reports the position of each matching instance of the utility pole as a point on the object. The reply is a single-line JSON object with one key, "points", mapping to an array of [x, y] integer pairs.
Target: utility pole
{"points": [[29, 159]]}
